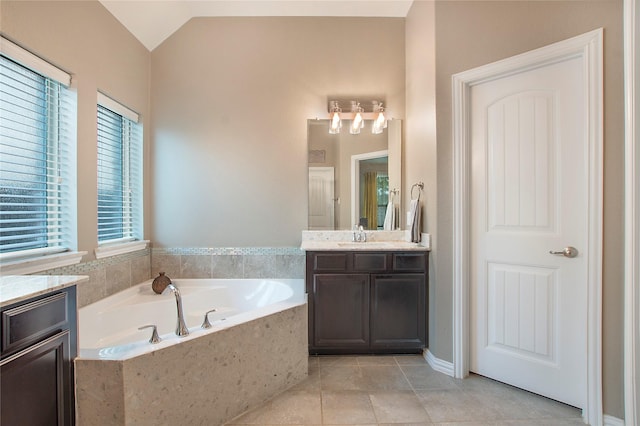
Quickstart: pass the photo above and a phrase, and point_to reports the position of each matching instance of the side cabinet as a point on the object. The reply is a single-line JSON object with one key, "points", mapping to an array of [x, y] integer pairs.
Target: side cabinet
{"points": [[367, 302], [36, 361]]}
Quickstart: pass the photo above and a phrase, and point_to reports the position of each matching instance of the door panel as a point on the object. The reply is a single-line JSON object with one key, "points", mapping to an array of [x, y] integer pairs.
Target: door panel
{"points": [[528, 196], [321, 198], [521, 186], [521, 305]]}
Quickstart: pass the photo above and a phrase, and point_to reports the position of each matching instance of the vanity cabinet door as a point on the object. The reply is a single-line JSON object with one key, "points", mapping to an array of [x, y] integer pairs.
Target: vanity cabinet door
{"points": [[398, 311], [35, 385], [341, 310], [38, 342]]}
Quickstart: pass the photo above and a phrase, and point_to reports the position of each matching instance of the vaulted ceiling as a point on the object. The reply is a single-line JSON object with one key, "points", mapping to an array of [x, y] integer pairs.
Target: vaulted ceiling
{"points": [[152, 21]]}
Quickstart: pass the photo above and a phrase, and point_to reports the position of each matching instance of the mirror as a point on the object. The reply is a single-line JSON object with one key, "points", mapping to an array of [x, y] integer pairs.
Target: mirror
{"points": [[354, 179]]}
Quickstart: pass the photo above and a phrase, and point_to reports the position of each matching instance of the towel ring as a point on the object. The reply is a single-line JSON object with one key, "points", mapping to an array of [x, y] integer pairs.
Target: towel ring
{"points": [[420, 186]]}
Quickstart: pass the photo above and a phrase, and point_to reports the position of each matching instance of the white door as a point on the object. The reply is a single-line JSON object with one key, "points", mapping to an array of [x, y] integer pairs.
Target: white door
{"points": [[321, 198], [529, 153]]}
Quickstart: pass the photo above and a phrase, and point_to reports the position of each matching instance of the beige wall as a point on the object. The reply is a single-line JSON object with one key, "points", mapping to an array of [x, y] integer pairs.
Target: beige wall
{"points": [[230, 100], [420, 154], [473, 33], [84, 39]]}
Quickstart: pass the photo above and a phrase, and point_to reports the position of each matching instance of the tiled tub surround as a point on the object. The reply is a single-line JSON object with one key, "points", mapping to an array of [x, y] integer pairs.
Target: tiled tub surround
{"points": [[206, 378], [108, 276], [113, 274], [241, 262]]}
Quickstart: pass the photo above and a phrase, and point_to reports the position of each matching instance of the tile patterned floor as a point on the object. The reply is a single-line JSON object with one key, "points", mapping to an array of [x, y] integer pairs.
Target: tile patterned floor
{"points": [[403, 391]]}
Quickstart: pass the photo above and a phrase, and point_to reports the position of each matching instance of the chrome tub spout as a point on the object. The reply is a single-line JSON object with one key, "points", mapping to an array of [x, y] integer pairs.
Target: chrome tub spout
{"points": [[181, 327]]}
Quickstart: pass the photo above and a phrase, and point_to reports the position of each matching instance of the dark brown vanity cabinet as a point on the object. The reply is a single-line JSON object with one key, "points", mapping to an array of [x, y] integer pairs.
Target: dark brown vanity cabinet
{"points": [[367, 302], [36, 371]]}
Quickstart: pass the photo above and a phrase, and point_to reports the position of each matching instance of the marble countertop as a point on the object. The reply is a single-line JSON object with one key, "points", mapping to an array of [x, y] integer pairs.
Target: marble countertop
{"points": [[376, 241], [16, 288], [362, 246]]}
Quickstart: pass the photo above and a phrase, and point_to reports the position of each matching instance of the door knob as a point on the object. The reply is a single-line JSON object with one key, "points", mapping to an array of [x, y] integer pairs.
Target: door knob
{"points": [[566, 252]]}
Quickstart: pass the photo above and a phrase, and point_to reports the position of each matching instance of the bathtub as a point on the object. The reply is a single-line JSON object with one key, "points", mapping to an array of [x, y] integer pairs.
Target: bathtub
{"points": [[108, 329], [256, 347]]}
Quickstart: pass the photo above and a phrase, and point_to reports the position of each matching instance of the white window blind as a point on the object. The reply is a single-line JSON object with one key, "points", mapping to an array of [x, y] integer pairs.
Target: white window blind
{"points": [[37, 159], [119, 173]]}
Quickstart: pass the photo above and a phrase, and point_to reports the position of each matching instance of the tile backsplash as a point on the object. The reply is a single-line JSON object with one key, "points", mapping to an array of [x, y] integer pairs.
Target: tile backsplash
{"points": [[108, 275], [245, 262]]}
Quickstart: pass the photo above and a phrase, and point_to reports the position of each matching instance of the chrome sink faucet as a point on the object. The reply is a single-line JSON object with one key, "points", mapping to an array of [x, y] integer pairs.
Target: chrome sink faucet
{"points": [[181, 327], [360, 236]]}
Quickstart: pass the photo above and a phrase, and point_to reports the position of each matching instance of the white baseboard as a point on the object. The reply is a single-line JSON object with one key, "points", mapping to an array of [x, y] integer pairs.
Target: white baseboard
{"points": [[608, 420], [437, 364]]}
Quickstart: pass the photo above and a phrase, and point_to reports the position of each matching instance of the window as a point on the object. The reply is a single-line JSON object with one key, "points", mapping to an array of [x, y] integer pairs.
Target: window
{"points": [[119, 173], [37, 156]]}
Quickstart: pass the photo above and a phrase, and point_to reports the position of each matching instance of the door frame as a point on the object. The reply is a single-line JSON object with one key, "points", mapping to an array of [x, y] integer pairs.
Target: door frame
{"points": [[588, 47], [355, 181], [632, 214]]}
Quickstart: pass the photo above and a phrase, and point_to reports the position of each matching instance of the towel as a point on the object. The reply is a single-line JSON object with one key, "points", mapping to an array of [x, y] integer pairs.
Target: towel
{"points": [[414, 221], [390, 217]]}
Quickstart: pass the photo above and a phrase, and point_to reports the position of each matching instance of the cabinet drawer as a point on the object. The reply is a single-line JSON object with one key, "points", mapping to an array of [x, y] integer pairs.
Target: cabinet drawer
{"points": [[26, 323], [409, 262], [370, 262], [330, 262]]}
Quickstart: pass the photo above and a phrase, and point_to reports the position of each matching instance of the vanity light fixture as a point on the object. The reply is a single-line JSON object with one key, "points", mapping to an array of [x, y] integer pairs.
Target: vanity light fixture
{"points": [[357, 115], [336, 122], [358, 120], [380, 121]]}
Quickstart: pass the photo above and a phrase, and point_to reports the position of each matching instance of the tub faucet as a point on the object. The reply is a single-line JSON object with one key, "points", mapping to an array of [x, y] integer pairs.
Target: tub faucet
{"points": [[181, 328]]}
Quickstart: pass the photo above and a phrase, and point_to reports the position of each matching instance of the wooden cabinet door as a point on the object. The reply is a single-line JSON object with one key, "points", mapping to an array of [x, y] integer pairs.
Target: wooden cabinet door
{"points": [[341, 310], [34, 387], [398, 311]]}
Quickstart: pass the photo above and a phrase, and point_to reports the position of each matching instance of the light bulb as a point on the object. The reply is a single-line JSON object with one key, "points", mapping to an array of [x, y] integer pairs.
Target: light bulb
{"points": [[358, 121], [357, 124], [379, 124], [336, 123]]}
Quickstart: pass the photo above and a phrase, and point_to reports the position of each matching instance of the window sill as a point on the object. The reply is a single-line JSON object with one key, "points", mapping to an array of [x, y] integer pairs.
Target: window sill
{"points": [[42, 263], [120, 248]]}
